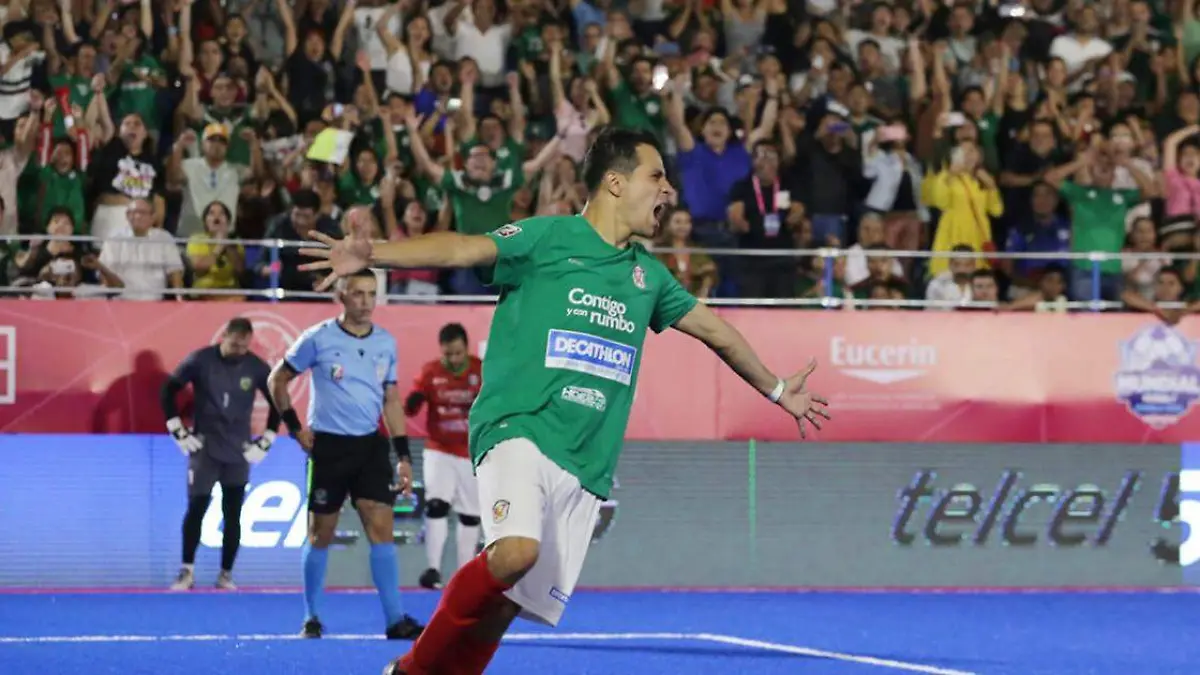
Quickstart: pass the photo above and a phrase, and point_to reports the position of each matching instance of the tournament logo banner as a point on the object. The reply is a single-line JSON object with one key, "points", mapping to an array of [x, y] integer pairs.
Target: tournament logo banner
{"points": [[1158, 380]]}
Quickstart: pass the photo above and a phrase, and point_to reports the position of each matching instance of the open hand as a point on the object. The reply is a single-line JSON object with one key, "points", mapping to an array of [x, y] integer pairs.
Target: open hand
{"points": [[802, 404], [342, 257]]}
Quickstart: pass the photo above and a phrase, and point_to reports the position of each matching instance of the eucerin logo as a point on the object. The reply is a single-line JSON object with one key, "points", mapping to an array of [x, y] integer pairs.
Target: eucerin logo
{"points": [[882, 363], [601, 310]]}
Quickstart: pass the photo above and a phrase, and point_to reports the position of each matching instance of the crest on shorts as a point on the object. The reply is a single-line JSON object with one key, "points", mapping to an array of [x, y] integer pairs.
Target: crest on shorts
{"points": [[336, 372], [499, 510], [246, 383], [509, 230], [639, 277]]}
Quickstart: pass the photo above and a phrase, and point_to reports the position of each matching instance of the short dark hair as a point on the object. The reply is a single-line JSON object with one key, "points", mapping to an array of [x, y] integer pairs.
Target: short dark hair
{"points": [[306, 199], [239, 325], [1171, 271], [451, 332], [615, 149], [983, 274]]}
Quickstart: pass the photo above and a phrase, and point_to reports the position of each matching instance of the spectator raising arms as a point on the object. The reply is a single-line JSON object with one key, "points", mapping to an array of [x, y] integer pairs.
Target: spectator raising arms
{"points": [[878, 129]]}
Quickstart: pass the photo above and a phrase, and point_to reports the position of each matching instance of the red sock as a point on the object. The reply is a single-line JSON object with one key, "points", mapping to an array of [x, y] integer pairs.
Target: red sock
{"points": [[470, 594]]}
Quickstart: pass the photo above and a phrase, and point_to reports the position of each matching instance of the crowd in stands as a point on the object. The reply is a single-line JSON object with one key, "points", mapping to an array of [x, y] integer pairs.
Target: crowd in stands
{"points": [[972, 126]]}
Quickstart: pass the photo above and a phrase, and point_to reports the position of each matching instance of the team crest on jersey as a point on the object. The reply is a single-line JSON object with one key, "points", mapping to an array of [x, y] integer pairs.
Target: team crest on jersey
{"points": [[484, 193], [509, 230], [473, 379], [245, 383], [499, 510], [639, 277], [336, 372]]}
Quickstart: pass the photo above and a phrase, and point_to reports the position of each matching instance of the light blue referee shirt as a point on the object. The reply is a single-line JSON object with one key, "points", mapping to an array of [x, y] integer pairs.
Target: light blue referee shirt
{"points": [[349, 374]]}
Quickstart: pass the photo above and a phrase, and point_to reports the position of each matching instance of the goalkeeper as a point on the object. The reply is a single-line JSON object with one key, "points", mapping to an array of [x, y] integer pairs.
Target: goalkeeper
{"points": [[224, 378]]}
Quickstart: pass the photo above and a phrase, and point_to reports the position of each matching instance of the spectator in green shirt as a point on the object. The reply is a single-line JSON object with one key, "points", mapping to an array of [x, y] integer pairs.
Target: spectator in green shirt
{"points": [[225, 111], [358, 185], [137, 77], [636, 104], [76, 81], [60, 186], [506, 141], [1098, 214]]}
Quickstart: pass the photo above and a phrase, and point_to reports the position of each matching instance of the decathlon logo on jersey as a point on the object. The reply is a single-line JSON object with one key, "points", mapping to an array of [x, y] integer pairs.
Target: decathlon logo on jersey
{"points": [[589, 354], [600, 310]]}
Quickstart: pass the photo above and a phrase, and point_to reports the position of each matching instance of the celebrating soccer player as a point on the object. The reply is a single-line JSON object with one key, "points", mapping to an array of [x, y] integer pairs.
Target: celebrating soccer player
{"points": [[353, 364], [448, 386], [224, 378], [576, 298]]}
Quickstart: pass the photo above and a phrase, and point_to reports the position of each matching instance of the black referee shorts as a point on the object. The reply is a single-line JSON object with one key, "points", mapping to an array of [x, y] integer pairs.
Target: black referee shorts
{"points": [[359, 466]]}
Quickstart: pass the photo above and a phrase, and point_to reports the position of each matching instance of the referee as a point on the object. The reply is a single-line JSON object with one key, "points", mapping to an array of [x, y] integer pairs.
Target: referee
{"points": [[353, 364], [224, 378]]}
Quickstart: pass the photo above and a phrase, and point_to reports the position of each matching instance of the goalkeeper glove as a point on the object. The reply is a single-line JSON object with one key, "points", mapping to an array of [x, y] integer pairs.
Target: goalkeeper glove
{"points": [[256, 451], [186, 440]]}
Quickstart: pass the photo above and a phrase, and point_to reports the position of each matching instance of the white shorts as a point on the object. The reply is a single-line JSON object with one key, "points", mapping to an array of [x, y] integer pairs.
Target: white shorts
{"points": [[451, 479], [530, 496]]}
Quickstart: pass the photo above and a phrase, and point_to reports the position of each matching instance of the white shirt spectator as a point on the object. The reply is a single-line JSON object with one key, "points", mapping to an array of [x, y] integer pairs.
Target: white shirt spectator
{"points": [[889, 47], [204, 186], [366, 19], [887, 169], [487, 49], [142, 265], [943, 288], [442, 43], [1075, 54], [856, 266], [15, 82]]}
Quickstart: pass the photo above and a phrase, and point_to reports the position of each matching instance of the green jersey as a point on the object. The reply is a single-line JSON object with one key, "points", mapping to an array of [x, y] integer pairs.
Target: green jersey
{"points": [[79, 92], [566, 343], [403, 142], [63, 190], [1098, 221], [136, 94], [482, 207], [353, 192], [510, 156], [642, 112]]}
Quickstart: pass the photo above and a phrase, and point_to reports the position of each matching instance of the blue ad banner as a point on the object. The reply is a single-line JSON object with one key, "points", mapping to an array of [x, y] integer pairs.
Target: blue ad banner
{"points": [[80, 511], [105, 511]]}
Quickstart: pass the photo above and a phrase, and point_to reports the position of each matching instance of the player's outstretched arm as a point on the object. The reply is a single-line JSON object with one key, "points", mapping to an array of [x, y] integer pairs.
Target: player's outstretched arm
{"points": [[791, 394], [357, 251]]}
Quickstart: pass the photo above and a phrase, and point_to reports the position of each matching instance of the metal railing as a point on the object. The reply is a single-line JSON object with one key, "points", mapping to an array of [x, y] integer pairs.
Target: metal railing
{"points": [[274, 292]]}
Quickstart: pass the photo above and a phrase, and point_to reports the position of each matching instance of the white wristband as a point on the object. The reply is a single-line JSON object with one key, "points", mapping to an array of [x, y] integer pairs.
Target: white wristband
{"points": [[776, 393]]}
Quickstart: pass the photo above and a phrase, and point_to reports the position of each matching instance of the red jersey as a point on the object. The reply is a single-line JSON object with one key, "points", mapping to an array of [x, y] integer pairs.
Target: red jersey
{"points": [[449, 397]]}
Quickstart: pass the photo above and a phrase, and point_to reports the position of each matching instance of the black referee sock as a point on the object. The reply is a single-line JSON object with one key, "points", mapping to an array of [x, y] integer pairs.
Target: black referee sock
{"points": [[192, 521], [231, 509]]}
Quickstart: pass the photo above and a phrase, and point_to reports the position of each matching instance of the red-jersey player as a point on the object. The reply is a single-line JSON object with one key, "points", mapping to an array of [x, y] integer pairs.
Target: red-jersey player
{"points": [[448, 387]]}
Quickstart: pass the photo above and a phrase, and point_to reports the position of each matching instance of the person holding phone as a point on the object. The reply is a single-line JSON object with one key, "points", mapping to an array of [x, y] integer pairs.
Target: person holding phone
{"points": [[896, 191], [968, 198]]}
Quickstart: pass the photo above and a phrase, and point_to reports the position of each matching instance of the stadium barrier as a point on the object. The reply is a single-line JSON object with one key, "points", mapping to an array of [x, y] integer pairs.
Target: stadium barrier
{"points": [[268, 289], [103, 511], [961, 377]]}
